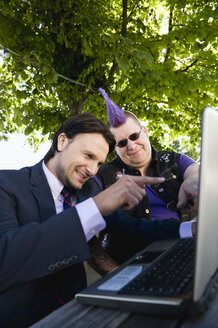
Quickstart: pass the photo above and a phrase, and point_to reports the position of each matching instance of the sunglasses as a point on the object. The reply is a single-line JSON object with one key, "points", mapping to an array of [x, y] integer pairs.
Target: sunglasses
{"points": [[122, 143]]}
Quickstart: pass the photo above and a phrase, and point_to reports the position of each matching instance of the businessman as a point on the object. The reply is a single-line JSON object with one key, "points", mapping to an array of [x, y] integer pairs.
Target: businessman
{"points": [[43, 240]]}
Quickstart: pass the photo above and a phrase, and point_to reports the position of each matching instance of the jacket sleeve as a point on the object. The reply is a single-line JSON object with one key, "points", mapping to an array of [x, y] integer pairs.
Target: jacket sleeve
{"points": [[129, 235], [33, 250], [120, 223]]}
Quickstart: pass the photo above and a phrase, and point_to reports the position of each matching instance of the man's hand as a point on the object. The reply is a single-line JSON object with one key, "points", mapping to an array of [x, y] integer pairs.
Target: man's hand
{"points": [[127, 192], [189, 188], [194, 228]]}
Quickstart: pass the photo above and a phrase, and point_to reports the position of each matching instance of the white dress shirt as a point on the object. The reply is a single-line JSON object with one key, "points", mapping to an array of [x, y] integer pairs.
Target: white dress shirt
{"points": [[90, 217], [185, 229]]}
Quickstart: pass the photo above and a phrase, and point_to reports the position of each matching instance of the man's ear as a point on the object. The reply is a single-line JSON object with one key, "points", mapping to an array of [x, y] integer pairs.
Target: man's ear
{"points": [[144, 129], [62, 141]]}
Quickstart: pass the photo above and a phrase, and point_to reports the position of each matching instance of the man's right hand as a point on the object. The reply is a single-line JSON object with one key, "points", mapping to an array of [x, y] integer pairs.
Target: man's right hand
{"points": [[126, 193]]}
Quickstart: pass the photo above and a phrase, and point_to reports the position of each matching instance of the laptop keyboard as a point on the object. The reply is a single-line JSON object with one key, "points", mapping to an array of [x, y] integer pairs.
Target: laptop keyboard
{"points": [[170, 275]]}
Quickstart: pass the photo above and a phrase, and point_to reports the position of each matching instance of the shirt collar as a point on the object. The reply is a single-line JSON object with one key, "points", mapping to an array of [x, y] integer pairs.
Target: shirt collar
{"points": [[55, 185]]}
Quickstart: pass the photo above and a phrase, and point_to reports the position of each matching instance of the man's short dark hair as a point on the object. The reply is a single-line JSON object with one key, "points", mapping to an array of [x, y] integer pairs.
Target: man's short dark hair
{"points": [[82, 123], [127, 114]]}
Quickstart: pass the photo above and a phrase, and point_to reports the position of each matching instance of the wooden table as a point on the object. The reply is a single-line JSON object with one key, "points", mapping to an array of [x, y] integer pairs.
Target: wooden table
{"points": [[79, 316]]}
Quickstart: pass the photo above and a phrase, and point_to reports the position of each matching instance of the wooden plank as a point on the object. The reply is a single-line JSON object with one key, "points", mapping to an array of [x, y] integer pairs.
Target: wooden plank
{"points": [[64, 314], [78, 315], [91, 275], [99, 318], [142, 321]]}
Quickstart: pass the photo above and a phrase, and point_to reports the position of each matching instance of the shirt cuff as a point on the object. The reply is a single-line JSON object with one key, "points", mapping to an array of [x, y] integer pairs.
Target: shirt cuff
{"points": [[91, 219], [185, 230]]}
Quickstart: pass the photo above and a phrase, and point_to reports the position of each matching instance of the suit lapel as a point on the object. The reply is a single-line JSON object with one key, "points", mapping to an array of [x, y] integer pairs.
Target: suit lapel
{"points": [[80, 196], [41, 191], [89, 189]]}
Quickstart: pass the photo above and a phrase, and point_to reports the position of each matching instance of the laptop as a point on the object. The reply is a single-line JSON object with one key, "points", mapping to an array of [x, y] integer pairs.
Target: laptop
{"points": [[155, 280]]}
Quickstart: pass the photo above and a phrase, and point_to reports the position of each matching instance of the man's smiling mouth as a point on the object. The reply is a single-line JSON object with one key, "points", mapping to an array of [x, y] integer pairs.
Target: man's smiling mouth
{"points": [[134, 153], [81, 175]]}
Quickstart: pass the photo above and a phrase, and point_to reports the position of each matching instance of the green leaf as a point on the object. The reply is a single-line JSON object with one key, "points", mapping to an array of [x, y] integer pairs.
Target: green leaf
{"points": [[141, 55], [21, 94], [124, 65], [28, 130]]}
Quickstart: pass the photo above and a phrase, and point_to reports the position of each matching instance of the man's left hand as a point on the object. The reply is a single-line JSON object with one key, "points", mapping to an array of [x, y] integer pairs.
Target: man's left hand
{"points": [[189, 187]]}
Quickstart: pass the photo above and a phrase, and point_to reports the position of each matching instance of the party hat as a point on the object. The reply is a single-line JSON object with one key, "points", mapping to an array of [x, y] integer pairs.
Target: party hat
{"points": [[114, 113]]}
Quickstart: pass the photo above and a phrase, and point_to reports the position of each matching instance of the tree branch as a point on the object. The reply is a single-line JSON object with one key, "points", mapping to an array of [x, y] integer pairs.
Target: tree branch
{"points": [[180, 25], [123, 33], [170, 29], [133, 9], [156, 101], [187, 67], [112, 71]]}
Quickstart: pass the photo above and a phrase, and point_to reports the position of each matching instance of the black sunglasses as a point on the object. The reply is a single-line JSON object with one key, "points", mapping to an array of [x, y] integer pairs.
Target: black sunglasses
{"points": [[122, 143]]}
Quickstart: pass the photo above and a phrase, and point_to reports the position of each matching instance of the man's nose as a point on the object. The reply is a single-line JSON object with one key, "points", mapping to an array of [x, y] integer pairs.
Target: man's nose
{"points": [[92, 169], [130, 144]]}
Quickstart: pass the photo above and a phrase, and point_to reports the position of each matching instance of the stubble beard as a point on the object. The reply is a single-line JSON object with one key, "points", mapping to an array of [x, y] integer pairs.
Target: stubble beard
{"points": [[61, 175]]}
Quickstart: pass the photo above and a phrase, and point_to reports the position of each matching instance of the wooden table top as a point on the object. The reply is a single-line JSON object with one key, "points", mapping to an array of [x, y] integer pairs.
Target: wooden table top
{"points": [[78, 315]]}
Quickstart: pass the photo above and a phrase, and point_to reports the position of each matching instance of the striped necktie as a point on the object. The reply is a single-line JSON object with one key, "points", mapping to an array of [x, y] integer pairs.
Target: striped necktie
{"points": [[67, 199], [66, 204]]}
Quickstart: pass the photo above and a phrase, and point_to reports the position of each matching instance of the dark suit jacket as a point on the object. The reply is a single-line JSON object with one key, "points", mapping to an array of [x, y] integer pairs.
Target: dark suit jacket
{"points": [[41, 252]]}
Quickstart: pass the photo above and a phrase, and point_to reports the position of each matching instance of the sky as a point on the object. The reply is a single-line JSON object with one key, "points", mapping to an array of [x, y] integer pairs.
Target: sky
{"points": [[17, 153]]}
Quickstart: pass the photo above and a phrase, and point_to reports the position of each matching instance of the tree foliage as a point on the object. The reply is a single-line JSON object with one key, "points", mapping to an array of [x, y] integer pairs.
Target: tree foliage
{"points": [[181, 146], [156, 58]]}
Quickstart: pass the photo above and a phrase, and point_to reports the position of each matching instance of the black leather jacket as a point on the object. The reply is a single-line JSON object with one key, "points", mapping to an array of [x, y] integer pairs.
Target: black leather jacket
{"points": [[163, 164]]}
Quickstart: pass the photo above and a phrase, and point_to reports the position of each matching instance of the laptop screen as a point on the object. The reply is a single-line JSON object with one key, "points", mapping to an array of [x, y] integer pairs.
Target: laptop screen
{"points": [[207, 236]]}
